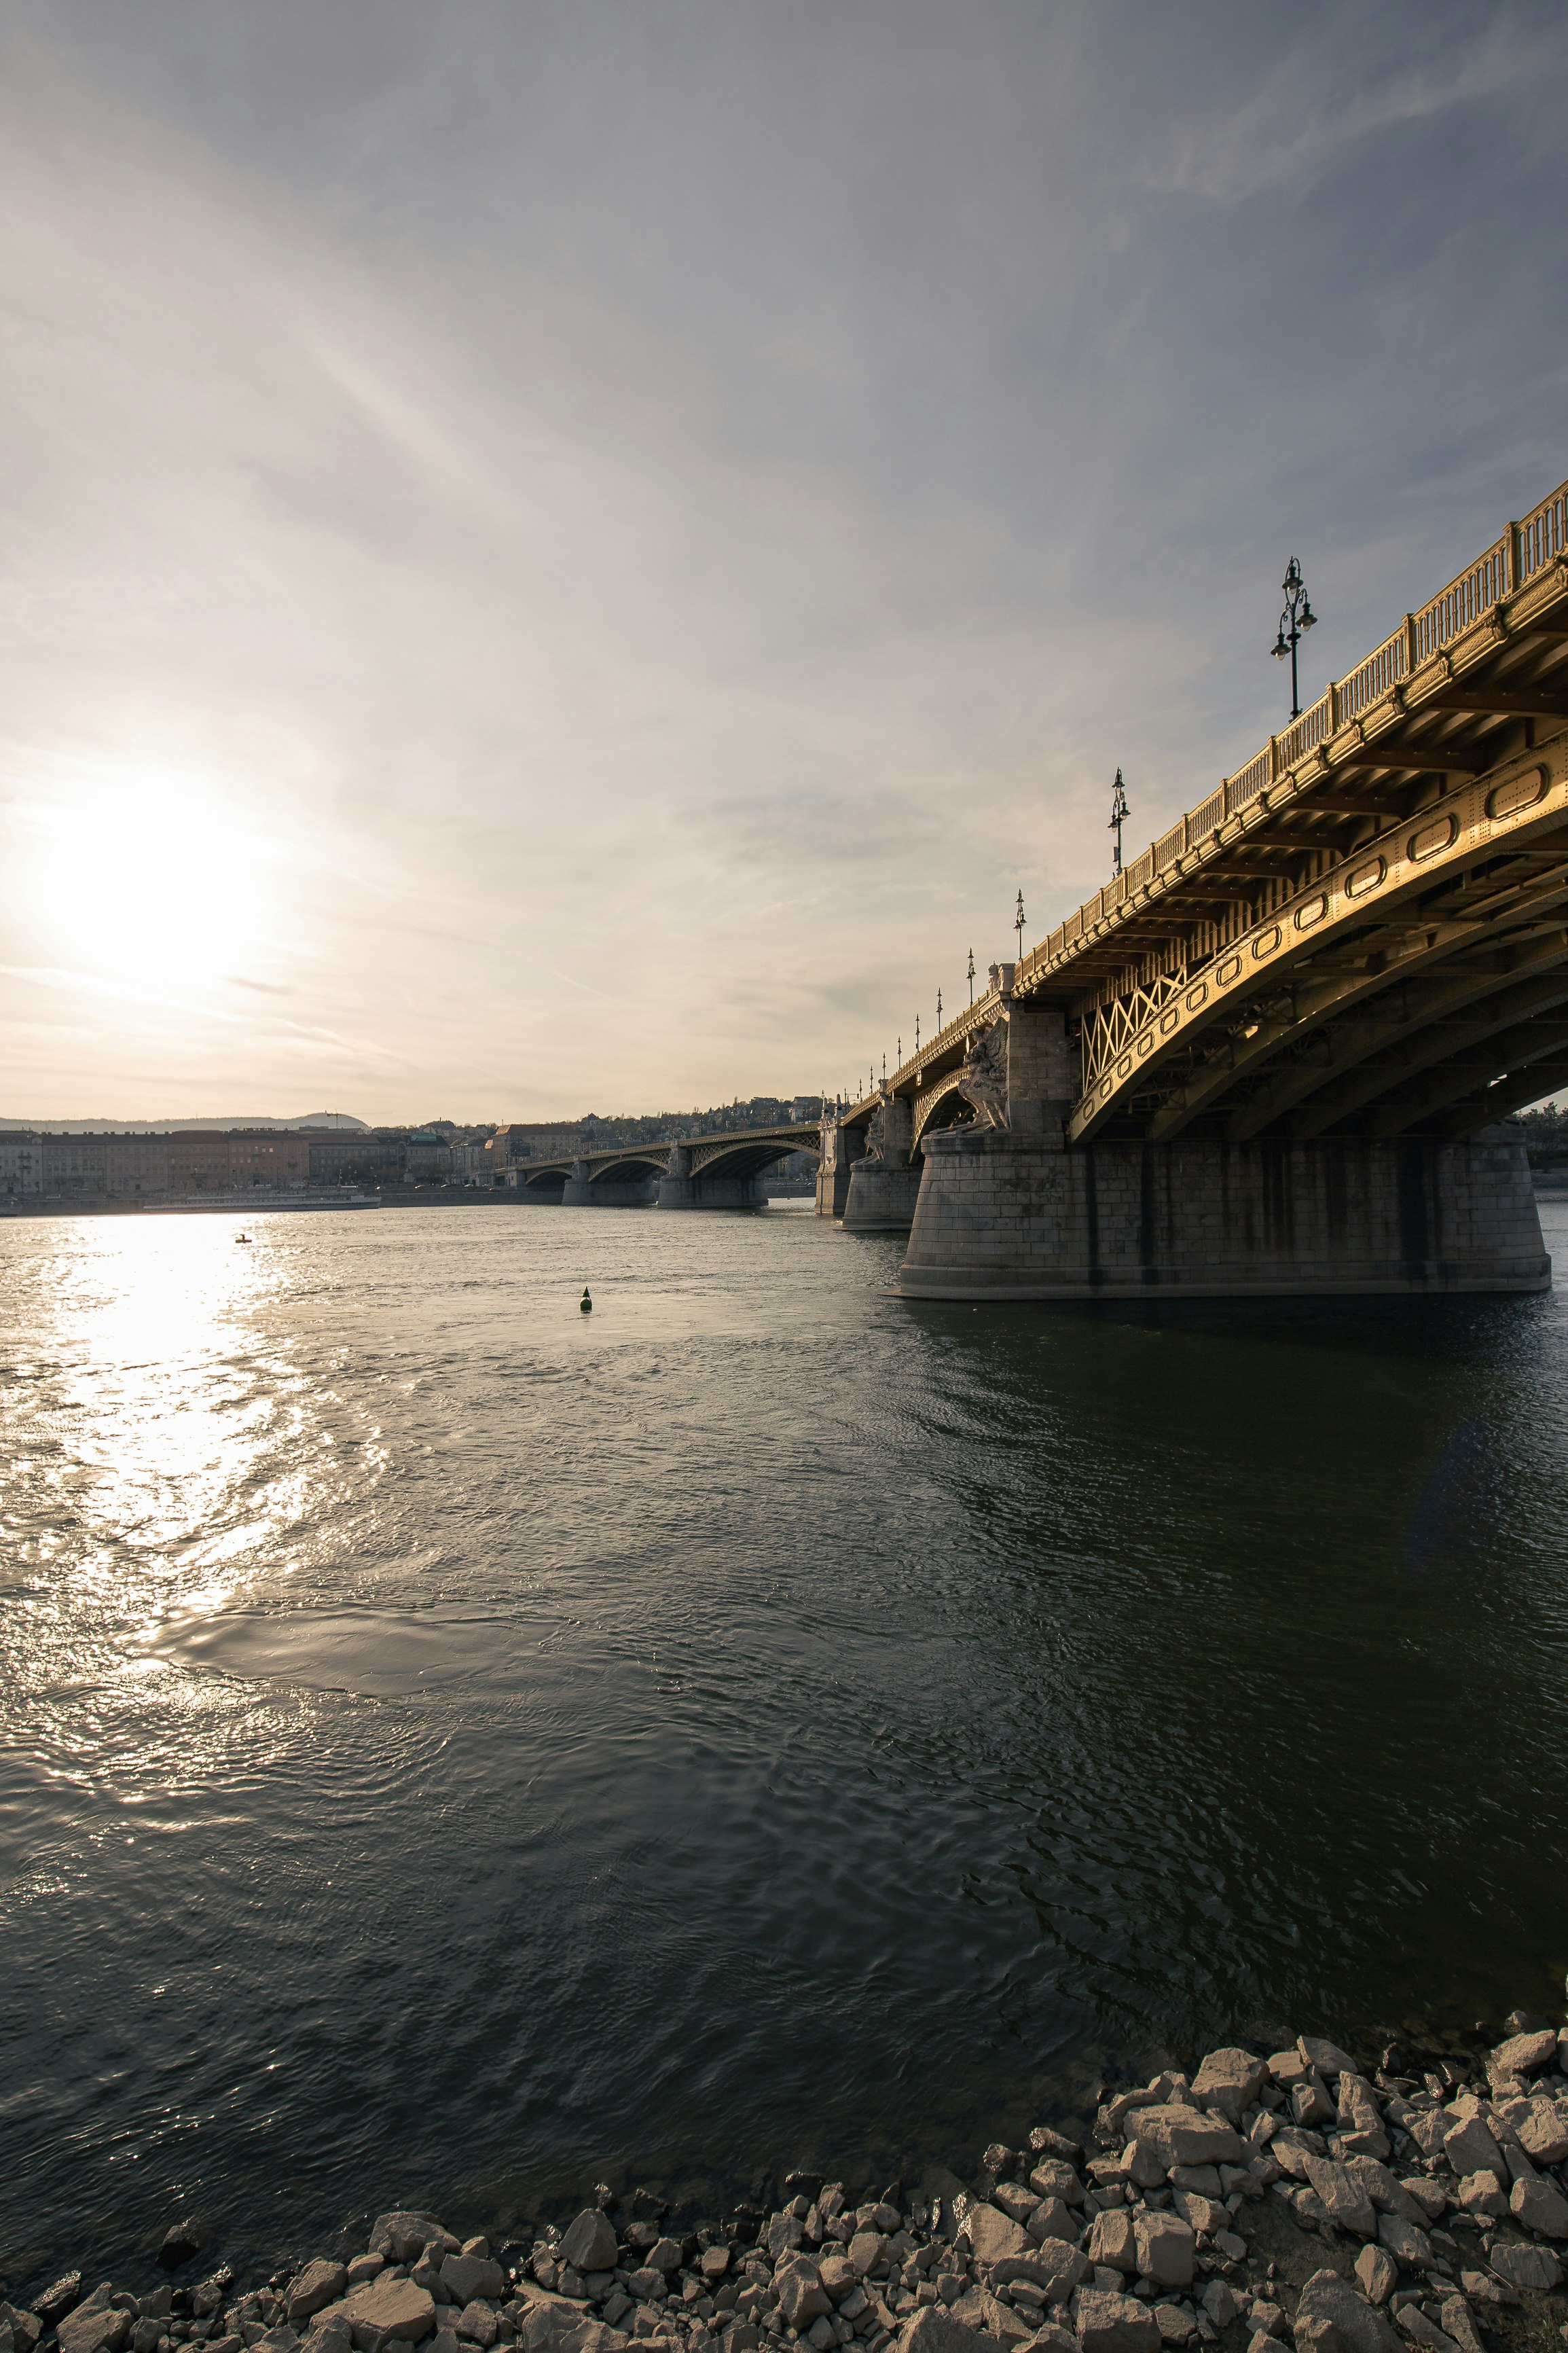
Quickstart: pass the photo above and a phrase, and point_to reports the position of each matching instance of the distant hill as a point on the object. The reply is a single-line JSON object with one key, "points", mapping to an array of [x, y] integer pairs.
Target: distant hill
{"points": [[341, 1119]]}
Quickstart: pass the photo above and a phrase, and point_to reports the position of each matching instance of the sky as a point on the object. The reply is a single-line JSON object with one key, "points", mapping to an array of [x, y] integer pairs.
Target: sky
{"points": [[576, 555]]}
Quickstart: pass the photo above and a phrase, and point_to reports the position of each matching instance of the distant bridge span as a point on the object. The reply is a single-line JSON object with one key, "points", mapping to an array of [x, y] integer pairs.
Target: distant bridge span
{"points": [[692, 1173]]}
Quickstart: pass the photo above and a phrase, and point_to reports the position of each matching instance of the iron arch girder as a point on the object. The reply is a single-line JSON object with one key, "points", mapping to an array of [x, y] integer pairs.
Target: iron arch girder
{"points": [[749, 1159], [1406, 1109], [1430, 1036], [1504, 1097], [1381, 875], [1357, 1027], [1321, 1014], [926, 1106], [625, 1168]]}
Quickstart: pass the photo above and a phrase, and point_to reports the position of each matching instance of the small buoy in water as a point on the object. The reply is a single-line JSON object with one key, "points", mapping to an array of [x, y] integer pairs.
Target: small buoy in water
{"points": [[585, 1305]]}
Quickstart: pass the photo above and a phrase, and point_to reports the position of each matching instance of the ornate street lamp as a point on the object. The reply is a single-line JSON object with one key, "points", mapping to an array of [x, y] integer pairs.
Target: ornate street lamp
{"points": [[1018, 926], [939, 1013], [1119, 813], [972, 976], [1294, 623]]}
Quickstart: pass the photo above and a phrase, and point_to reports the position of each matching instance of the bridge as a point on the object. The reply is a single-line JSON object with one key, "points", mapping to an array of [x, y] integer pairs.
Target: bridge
{"points": [[1288, 1019], [702, 1172]]}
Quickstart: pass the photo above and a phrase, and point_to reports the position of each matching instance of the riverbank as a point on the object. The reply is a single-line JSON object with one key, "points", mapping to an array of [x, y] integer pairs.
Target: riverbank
{"points": [[1263, 2201]]}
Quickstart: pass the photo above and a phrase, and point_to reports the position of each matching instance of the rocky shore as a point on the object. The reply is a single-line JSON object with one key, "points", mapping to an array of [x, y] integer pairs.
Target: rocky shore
{"points": [[1268, 2199]]}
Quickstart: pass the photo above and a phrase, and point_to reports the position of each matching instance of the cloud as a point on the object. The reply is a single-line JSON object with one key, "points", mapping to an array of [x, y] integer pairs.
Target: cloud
{"points": [[648, 528]]}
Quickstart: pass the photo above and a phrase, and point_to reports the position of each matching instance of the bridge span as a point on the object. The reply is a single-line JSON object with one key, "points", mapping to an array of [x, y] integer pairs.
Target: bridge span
{"points": [[700, 1172], [1274, 1053]]}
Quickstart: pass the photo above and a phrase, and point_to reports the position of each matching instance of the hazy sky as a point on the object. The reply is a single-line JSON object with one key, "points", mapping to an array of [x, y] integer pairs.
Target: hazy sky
{"points": [[566, 556]]}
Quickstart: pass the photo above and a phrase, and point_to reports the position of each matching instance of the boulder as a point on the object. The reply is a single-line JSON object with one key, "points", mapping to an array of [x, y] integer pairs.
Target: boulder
{"points": [[992, 2235], [1050, 2338], [403, 2234], [1052, 2220], [1220, 2304], [1326, 2058], [477, 2324], [1458, 2322], [1426, 2195], [1540, 2206], [1309, 2103], [1540, 2129], [1344, 2200], [1378, 2273], [932, 2330], [1522, 2267], [181, 2239], [1386, 2193], [58, 2298], [1404, 2241], [463, 2277], [1111, 2241], [387, 2310], [589, 2244], [1167, 2250], [1013, 2199], [1182, 2136], [978, 2309], [1524, 2054], [1054, 2177], [1204, 2215], [1056, 2268], [319, 2284], [1330, 2315], [1483, 2194], [94, 2325], [1109, 2323], [1470, 2148], [1361, 2126], [801, 2295], [1422, 2331], [1229, 2080]]}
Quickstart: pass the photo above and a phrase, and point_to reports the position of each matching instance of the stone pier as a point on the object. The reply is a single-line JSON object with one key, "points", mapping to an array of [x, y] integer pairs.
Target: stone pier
{"points": [[842, 1147], [884, 1185], [1000, 1218]]}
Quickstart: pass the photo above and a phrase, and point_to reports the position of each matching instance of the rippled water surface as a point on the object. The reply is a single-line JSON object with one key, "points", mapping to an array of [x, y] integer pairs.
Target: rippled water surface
{"points": [[458, 1750]]}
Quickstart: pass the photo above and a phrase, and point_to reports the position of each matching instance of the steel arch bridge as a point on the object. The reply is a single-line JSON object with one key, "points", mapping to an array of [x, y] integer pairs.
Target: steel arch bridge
{"points": [[1362, 933]]}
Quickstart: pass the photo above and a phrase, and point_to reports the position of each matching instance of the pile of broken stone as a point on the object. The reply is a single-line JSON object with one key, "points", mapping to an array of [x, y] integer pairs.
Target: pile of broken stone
{"points": [[1203, 2208]]}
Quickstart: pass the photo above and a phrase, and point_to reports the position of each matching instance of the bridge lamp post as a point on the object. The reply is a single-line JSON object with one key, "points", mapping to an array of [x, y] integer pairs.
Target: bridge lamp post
{"points": [[939, 1013], [1119, 813], [1018, 926], [972, 976], [1294, 623]]}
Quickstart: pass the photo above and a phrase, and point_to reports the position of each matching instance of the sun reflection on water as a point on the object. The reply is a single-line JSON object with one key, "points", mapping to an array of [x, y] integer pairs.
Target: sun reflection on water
{"points": [[173, 1449]]}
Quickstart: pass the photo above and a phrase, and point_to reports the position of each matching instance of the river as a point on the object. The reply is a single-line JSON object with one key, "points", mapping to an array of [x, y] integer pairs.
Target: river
{"points": [[458, 1750]]}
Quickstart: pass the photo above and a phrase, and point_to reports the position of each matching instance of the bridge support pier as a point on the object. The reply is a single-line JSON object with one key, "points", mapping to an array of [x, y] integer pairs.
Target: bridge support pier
{"points": [[881, 1198], [680, 1190], [842, 1148], [1000, 1217]]}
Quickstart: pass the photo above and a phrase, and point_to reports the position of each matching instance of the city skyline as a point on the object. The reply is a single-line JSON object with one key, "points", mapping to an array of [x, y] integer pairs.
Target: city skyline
{"points": [[561, 558]]}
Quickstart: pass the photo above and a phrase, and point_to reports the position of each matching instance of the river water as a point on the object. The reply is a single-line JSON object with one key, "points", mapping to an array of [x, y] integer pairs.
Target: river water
{"points": [[458, 1750]]}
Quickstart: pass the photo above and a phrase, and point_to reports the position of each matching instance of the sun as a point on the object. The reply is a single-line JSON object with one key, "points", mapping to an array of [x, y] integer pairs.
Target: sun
{"points": [[152, 879]]}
